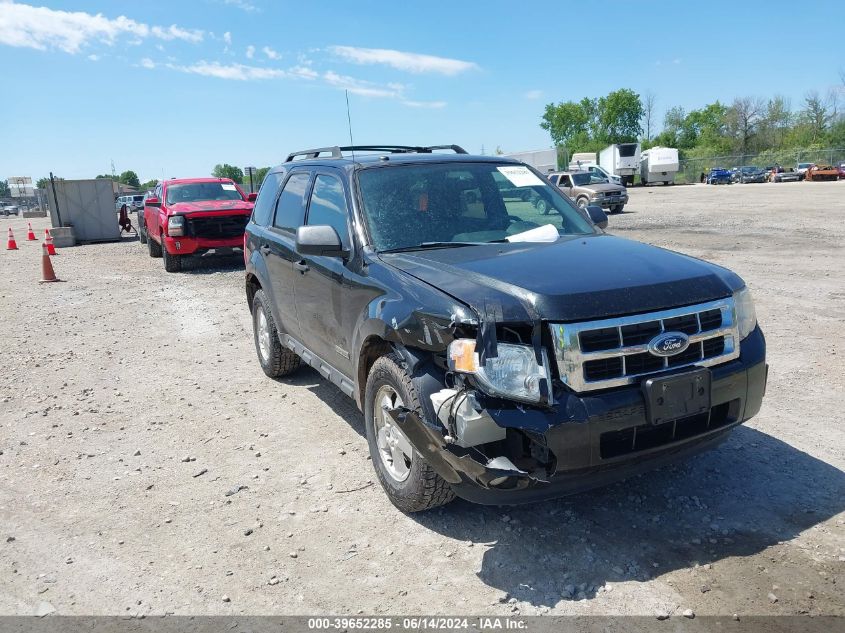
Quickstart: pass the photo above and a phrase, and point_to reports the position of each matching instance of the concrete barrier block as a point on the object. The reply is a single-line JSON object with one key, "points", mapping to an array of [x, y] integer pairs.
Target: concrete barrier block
{"points": [[63, 236]]}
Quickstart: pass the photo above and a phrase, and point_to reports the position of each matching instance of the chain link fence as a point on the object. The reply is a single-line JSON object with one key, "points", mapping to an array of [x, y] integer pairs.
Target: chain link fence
{"points": [[692, 168]]}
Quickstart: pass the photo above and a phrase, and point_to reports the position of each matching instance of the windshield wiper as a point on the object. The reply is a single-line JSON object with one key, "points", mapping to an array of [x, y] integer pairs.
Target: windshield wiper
{"points": [[425, 245]]}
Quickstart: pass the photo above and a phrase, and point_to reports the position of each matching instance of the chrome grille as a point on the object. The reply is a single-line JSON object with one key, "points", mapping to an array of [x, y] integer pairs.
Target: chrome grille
{"points": [[614, 352]]}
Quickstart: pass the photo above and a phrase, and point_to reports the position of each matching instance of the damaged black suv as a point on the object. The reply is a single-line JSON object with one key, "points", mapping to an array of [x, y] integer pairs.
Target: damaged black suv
{"points": [[498, 353]]}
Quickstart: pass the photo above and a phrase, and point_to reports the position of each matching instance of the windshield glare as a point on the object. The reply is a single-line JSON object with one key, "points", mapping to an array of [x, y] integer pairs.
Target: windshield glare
{"points": [[202, 191], [407, 205]]}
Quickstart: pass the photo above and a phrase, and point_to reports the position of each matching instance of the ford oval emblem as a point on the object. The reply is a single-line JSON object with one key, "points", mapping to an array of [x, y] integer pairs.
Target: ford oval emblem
{"points": [[668, 344]]}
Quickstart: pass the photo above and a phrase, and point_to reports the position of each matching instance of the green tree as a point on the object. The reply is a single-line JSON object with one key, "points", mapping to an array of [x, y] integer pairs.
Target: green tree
{"points": [[106, 176], [228, 171], [4, 189], [150, 184], [618, 116], [568, 123], [129, 178], [43, 183]]}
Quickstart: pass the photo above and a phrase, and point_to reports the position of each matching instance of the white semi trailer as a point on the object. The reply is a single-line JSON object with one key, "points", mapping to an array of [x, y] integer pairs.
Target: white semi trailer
{"points": [[659, 164], [543, 160], [621, 159]]}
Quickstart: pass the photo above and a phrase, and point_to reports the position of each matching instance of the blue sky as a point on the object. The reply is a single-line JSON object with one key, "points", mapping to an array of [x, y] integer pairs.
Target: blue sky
{"points": [[171, 88]]}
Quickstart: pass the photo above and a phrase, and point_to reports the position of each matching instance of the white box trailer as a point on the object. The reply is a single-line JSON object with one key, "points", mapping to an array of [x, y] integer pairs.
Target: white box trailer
{"points": [[621, 159], [582, 160], [659, 164], [543, 160]]}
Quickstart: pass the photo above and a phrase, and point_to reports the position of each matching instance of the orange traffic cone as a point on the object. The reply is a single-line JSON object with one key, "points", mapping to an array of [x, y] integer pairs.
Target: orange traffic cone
{"points": [[47, 272], [30, 235], [48, 242], [11, 245]]}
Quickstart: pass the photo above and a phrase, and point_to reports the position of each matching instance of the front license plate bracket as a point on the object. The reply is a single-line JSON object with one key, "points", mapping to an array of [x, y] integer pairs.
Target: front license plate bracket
{"points": [[669, 398]]}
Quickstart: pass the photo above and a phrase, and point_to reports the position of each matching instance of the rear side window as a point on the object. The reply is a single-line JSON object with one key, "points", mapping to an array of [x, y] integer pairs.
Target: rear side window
{"points": [[263, 209], [290, 211], [328, 206]]}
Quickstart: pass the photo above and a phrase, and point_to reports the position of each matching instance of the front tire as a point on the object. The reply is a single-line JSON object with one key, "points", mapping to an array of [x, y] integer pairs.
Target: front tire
{"points": [[582, 203], [172, 263], [617, 208], [410, 483], [153, 247], [275, 360]]}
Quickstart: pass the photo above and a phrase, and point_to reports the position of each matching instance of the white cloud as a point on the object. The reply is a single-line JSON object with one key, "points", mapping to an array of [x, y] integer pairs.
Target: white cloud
{"points": [[304, 72], [23, 25], [271, 54], [362, 88], [533, 95], [250, 51], [410, 62], [236, 72], [147, 63], [227, 37], [94, 58], [243, 5], [434, 105], [174, 32]]}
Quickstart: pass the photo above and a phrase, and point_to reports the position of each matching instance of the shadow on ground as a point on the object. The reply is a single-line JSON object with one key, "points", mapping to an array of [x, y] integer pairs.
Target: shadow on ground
{"points": [[751, 493]]}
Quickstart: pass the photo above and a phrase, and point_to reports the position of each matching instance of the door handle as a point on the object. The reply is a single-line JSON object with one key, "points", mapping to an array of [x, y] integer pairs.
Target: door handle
{"points": [[265, 250], [301, 266]]}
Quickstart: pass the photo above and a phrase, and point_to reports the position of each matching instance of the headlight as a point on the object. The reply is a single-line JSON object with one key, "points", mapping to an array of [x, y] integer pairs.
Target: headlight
{"points": [[514, 373], [597, 194], [176, 225], [746, 318]]}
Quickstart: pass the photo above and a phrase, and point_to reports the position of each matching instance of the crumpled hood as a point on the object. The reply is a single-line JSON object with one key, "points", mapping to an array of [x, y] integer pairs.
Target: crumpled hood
{"points": [[210, 205], [576, 278]]}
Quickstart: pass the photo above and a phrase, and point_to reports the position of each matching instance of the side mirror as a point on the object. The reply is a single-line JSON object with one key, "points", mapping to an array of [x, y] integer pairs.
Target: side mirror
{"points": [[597, 215], [252, 197], [152, 202], [320, 240]]}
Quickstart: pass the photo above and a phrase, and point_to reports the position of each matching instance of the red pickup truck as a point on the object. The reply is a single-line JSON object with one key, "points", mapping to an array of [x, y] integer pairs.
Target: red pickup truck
{"points": [[189, 216]]}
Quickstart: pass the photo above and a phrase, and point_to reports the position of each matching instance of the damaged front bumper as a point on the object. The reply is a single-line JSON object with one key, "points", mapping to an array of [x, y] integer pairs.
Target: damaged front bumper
{"points": [[596, 438]]}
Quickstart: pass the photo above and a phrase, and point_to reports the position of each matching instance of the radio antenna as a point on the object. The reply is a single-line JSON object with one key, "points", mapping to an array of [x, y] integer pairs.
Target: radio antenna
{"points": [[349, 121]]}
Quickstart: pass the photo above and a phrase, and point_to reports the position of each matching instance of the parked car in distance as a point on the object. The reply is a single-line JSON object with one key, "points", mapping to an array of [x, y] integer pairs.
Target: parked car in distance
{"points": [[719, 176], [498, 354], [586, 188], [821, 172], [802, 169], [189, 216], [11, 209], [841, 169], [783, 174], [749, 174]]}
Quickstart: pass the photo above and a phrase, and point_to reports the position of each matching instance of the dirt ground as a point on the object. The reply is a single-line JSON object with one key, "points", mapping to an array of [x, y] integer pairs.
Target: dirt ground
{"points": [[147, 465]]}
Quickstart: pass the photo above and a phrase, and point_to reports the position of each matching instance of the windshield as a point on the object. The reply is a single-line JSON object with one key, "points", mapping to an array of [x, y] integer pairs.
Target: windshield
{"points": [[201, 191], [408, 205], [582, 180]]}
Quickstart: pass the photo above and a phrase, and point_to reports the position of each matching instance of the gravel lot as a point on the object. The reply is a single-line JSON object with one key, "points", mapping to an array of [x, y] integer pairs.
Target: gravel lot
{"points": [[147, 465]]}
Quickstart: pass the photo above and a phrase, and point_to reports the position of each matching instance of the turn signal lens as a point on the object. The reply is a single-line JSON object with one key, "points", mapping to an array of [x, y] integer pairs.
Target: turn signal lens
{"points": [[462, 356]]}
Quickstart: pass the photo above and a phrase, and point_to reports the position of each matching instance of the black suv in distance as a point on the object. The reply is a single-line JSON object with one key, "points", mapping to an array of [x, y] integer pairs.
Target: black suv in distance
{"points": [[498, 353]]}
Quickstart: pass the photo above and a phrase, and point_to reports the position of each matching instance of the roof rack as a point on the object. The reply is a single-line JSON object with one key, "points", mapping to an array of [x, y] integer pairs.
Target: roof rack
{"points": [[337, 151]]}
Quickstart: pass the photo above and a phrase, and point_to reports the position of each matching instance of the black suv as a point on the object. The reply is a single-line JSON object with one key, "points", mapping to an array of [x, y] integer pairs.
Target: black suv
{"points": [[498, 353]]}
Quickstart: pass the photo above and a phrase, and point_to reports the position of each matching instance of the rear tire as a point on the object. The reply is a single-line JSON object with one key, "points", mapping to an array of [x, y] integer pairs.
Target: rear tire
{"points": [[172, 263], [153, 247], [412, 486], [142, 235], [275, 360]]}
